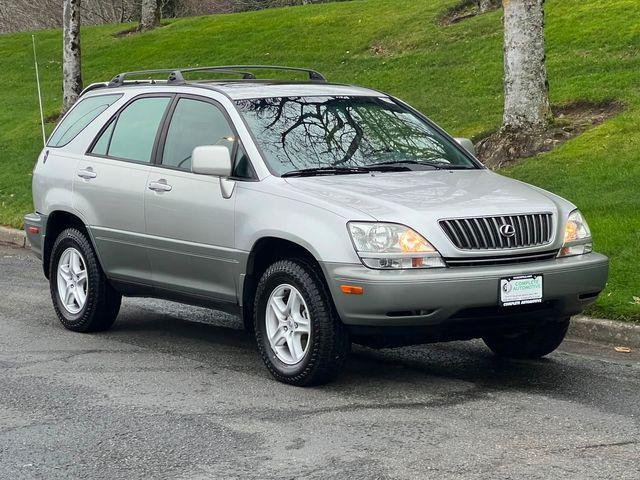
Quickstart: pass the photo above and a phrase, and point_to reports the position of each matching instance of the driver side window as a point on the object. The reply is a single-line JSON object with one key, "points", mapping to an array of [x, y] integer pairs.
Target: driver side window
{"points": [[194, 123]]}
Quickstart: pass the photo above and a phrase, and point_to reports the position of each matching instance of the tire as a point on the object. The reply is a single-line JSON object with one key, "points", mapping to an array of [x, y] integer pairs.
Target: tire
{"points": [[531, 344], [101, 302], [327, 342]]}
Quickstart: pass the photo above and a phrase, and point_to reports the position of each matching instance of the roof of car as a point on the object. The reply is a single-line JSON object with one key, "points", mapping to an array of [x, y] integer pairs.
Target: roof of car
{"points": [[244, 89], [248, 86]]}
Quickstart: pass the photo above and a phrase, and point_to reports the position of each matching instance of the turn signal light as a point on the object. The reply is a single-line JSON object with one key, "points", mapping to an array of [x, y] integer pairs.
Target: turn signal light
{"points": [[411, 242], [33, 229], [351, 290]]}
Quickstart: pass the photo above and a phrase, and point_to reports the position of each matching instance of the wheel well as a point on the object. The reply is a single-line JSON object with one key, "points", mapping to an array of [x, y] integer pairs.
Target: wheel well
{"points": [[265, 252], [56, 223]]}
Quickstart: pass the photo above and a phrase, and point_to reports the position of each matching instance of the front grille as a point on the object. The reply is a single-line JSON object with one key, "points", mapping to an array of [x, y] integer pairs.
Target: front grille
{"points": [[501, 260], [483, 233]]}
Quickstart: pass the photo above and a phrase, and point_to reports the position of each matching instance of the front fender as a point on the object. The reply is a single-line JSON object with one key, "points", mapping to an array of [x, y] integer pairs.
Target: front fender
{"points": [[322, 232]]}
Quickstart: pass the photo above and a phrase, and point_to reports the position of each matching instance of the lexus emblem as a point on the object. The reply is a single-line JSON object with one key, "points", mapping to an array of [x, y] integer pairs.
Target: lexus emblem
{"points": [[507, 230]]}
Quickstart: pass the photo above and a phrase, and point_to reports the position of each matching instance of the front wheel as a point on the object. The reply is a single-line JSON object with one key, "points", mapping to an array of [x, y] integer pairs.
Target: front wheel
{"points": [[536, 343], [300, 337], [82, 297]]}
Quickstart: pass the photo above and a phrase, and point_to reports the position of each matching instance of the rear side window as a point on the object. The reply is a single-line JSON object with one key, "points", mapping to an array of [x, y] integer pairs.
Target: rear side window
{"points": [[82, 114], [132, 134]]}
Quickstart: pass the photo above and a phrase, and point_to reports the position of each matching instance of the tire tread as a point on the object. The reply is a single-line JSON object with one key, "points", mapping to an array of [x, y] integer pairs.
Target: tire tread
{"points": [[103, 302], [327, 355]]}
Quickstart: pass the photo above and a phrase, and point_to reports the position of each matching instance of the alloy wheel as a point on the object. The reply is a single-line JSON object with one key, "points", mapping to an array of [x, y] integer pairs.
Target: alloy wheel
{"points": [[288, 324], [73, 285]]}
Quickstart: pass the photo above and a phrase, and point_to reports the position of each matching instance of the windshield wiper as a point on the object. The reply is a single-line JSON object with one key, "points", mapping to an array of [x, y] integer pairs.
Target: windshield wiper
{"points": [[310, 172], [390, 167], [436, 165]]}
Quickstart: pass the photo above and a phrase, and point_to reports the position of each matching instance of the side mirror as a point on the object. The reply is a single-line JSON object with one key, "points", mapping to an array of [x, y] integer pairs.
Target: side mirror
{"points": [[211, 160], [467, 145]]}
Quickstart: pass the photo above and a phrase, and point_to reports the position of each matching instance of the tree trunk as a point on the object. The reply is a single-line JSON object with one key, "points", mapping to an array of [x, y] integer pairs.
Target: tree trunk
{"points": [[150, 17], [526, 91], [71, 59]]}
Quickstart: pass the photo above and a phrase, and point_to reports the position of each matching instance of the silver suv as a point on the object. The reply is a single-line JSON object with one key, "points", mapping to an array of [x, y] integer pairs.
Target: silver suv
{"points": [[323, 214]]}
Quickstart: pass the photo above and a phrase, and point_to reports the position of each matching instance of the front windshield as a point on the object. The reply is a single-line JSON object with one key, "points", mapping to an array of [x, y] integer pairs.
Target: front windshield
{"points": [[301, 133]]}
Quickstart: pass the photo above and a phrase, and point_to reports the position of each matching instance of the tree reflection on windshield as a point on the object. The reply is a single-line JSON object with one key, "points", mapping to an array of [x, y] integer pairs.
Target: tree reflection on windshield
{"points": [[298, 133]]}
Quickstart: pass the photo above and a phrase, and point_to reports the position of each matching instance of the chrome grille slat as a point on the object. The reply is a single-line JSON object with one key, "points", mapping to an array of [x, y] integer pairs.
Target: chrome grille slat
{"points": [[487, 226], [483, 233], [458, 226], [527, 228], [532, 237], [496, 226], [476, 242], [450, 231], [483, 237], [520, 230], [539, 220]]}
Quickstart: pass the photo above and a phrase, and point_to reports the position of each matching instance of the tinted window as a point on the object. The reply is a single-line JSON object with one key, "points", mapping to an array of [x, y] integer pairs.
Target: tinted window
{"points": [[102, 145], [82, 114], [297, 133], [194, 123], [242, 167], [135, 130]]}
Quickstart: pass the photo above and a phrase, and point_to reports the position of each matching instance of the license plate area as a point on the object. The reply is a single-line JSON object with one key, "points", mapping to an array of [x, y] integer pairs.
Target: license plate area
{"points": [[520, 290]]}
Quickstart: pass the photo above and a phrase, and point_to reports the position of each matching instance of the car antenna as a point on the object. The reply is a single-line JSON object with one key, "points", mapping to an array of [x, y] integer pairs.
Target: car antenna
{"points": [[35, 59]]}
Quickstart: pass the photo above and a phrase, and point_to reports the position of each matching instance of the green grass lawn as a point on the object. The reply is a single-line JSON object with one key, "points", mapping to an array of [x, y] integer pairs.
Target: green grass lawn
{"points": [[451, 73]]}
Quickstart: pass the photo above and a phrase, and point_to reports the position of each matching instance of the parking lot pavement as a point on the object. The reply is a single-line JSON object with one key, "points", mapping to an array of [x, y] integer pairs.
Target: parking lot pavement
{"points": [[179, 392]]}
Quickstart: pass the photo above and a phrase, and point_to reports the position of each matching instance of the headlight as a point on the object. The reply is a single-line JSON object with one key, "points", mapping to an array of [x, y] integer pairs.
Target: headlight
{"points": [[577, 236], [392, 246]]}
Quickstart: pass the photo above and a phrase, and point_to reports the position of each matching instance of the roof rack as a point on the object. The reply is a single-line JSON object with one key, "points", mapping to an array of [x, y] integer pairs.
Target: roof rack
{"points": [[94, 86], [176, 75]]}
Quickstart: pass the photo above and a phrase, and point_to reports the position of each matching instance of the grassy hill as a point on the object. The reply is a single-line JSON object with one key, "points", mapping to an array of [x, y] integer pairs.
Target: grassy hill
{"points": [[451, 73]]}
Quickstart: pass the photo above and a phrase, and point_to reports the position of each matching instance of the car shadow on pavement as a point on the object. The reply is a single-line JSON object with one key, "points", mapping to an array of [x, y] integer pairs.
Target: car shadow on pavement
{"points": [[214, 338]]}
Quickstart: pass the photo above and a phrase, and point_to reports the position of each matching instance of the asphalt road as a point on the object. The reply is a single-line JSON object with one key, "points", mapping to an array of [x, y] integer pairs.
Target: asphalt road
{"points": [[179, 392]]}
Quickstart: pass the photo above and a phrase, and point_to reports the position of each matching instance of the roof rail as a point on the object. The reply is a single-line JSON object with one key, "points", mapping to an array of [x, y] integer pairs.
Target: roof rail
{"points": [[313, 74], [176, 75], [119, 79], [93, 86]]}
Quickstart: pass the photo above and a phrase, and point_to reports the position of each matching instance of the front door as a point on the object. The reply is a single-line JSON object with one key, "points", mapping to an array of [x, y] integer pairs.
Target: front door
{"points": [[190, 225], [110, 184]]}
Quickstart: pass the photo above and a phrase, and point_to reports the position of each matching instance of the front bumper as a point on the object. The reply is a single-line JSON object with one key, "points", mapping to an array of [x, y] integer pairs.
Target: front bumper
{"points": [[431, 297]]}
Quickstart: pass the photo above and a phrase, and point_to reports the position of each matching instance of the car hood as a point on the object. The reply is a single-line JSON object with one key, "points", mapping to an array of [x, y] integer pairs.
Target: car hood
{"points": [[420, 198], [385, 196]]}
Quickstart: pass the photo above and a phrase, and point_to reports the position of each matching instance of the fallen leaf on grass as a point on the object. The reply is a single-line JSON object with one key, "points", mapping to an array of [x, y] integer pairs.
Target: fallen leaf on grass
{"points": [[622, 349], [636, 300]]}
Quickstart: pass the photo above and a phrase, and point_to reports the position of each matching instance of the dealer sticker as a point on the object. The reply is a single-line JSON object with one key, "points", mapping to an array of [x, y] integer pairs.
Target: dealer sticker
{"points": [[522, 290]]}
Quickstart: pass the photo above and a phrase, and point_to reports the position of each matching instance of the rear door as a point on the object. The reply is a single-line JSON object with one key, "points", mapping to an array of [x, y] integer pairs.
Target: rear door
{"points": [[110, 184], [190, 224]]}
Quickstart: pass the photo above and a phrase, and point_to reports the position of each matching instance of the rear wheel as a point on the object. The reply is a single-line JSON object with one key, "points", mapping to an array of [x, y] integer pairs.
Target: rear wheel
{"points": [[531, 344], [82, 297], [300, 337]]}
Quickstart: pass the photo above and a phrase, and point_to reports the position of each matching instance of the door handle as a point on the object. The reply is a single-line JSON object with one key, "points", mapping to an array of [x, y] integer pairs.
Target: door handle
{"points": [[87, 173], [160, 186]]}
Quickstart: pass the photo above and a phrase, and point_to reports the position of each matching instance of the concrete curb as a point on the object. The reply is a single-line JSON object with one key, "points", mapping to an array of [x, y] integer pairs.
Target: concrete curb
{"points": [[14, 237], [609, 332]]}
